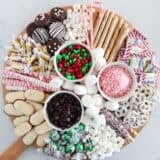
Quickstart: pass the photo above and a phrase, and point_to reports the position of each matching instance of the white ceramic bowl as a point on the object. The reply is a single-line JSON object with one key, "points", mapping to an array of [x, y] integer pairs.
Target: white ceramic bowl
{"points": [[64, 46], [46, 114], [132, 89]]}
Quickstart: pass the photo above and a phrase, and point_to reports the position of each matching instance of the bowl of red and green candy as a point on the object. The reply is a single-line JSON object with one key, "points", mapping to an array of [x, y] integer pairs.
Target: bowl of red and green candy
{"points": [[73, 61]]}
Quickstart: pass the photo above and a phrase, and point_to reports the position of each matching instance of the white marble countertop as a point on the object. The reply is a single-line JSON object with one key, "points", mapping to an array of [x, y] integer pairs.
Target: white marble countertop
{"points": [[15, 14]]}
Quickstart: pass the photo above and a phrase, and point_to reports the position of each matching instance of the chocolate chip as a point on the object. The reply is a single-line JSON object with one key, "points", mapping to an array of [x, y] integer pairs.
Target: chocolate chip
{"points": [[42, 20], [58, 14], [64, 110]]}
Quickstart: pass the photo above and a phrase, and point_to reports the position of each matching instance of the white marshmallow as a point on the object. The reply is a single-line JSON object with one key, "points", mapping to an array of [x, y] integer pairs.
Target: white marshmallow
{"points": [[56, 82], [92, 111], [100, 120], [68, 85], [92, 89], [100, 63], [112, 106], [98, 52], [80, 89], [88, 101], [98, 99], [90, 80]]}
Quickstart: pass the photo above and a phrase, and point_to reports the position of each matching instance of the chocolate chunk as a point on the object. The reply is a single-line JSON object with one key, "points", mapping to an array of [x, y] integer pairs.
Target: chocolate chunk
{"points": [[31, 28], [40, 35], [64, 110], [58, 14], [42, 20], [57, 30], [53, 45]]}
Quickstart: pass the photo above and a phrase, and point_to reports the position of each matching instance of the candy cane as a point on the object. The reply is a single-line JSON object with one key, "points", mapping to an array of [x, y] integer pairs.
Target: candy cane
{"points": [[33, 81]]}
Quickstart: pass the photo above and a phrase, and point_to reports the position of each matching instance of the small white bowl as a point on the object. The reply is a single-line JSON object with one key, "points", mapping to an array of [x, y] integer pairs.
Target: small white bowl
{"points": [[46, 114], [64, 46], [132, 90]]}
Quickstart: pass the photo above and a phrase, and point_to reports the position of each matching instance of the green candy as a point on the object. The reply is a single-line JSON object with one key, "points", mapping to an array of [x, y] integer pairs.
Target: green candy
{"points": [[70, 46], [66, 57], [73, 77], [79, 147], [55, 136], [90, 64], [65, 64], [83, 50], [60, 148], [70, 61], [84, 69], [71, 132], [60, 69], [69, 77], [66, 137], [54, 145], [81, 127], [70, 148], [88, 146], [76, 51], [59, 57]]}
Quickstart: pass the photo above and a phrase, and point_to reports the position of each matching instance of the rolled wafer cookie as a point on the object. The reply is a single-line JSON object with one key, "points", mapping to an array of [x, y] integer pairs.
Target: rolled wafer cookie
{"points": [[106, 29], [101, 28], [123, 34], [97, 24], [111, 31], [113, 40]]}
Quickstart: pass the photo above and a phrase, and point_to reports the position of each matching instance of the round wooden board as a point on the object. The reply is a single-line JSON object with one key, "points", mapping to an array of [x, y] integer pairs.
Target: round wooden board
{"points": [[18, 147]]}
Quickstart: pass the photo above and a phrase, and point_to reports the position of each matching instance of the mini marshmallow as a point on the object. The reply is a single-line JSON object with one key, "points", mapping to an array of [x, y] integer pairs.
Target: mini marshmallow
{"points": [[100, 63], [80, 89], [88, 101], [100, 120], [92, 111], [68, 85], [92, 89], [56, 82], [98, 100], [90, 80], [112, 106], [98, 52]]}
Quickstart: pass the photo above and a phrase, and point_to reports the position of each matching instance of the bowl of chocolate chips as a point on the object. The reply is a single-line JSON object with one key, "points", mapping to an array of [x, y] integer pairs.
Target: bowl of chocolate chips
{"points": [[63, 110]]}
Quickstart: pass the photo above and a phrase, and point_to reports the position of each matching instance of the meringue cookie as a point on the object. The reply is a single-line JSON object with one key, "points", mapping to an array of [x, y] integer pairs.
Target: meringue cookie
{"points": [[92, 89], [100, 120], [98, 100], [92, 111], [112, 106], [87, 101], [68, 85], [90, 80], [80, 89]]}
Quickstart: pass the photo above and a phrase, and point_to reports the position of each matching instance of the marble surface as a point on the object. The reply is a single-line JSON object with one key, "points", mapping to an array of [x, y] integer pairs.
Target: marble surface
{"points": [[15, 14]]}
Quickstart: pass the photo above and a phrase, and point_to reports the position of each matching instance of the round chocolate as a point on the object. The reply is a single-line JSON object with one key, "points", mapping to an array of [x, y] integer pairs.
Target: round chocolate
{"points": [[58, 14], [42, 20], [40, 35], [53, 45], [64, 110], [57, 30], [31, 28]]}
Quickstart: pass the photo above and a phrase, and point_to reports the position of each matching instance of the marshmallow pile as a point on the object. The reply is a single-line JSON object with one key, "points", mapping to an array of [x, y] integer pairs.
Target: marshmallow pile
{"points": [[105, 141], [74, 26]]}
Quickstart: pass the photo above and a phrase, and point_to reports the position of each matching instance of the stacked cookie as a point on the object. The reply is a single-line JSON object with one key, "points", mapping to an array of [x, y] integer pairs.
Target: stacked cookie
{"points": [[26, 108]]}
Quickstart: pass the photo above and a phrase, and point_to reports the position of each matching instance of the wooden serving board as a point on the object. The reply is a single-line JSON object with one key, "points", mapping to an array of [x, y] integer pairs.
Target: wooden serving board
{"points": [[109, 32]]}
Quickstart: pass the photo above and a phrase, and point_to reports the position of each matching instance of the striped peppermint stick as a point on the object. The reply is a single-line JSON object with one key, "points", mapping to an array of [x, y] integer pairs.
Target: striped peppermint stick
{"points": [[37, 83]]}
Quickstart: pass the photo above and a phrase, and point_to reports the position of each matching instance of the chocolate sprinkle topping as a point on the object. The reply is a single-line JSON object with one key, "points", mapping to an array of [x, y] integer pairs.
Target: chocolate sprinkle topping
{"points": [[64, 110]]}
